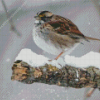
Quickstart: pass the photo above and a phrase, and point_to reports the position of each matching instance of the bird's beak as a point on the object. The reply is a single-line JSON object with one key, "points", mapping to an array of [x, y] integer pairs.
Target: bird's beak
{"points": [[37, 17]]}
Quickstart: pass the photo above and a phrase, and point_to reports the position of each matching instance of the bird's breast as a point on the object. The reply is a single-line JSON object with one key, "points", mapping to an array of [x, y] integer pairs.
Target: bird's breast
{"points": [[43, 41]]}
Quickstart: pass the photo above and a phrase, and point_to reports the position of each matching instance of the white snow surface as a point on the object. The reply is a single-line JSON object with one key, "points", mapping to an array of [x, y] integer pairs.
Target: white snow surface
{"points": [[90, 59], [36, 60]]}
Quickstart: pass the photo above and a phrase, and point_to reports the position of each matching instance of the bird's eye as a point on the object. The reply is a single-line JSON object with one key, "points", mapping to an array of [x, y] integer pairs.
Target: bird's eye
{"points": [[41, 15]]}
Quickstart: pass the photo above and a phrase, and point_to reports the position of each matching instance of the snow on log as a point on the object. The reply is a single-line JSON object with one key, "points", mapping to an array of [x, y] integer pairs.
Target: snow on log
{"points": [[70, 72]]}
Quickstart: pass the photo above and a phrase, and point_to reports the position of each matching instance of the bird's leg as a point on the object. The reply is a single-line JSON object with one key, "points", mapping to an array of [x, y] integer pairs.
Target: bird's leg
{"points": [[59, 55], [90, 92]]}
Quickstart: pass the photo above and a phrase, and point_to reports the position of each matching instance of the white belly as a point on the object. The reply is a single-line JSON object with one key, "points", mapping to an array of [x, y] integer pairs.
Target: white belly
{"points": [[47, 45]]}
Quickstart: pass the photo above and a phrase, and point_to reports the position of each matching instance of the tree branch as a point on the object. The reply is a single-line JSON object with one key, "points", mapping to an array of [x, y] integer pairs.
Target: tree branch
{"points": [[49, 74], [13, 28], [66, 76], [97, 5]]}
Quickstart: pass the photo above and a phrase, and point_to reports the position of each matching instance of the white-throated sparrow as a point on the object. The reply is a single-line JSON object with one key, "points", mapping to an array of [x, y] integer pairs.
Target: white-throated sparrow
{"points": [[56, 34]]}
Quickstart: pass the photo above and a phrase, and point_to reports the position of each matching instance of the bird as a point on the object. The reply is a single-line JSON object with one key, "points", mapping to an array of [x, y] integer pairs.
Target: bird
{"points": [[57, 35]]}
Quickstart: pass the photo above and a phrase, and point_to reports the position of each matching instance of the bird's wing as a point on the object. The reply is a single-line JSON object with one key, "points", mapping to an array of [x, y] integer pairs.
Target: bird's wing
{"points": [[65, 28]]}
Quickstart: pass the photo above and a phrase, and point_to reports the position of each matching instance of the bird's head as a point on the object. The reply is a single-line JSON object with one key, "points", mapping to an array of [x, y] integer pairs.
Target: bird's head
{"points": [[44, 16]]}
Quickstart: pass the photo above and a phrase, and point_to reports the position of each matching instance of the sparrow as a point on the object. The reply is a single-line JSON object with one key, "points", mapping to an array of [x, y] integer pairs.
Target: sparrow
{"points": [[56, 34]]}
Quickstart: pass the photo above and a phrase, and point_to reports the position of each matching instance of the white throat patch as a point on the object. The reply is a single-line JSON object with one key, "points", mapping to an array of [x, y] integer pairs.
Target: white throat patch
{"points": [[38, 21]]}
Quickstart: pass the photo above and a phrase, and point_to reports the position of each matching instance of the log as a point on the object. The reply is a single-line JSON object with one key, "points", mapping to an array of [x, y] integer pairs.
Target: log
{"points": [[66, 76]]}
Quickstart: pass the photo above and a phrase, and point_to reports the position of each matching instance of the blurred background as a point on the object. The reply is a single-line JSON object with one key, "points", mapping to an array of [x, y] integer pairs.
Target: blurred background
{"points": [[16, 25]]}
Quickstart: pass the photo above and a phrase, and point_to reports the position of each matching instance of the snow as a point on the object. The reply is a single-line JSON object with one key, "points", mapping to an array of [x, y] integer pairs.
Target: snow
{"points": [[90, 59], [36, 60], [89, 23], [31, 58]]}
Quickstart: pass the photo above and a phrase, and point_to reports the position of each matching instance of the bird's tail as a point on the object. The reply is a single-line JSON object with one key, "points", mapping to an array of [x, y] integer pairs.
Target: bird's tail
{"points": [[90, 38]]}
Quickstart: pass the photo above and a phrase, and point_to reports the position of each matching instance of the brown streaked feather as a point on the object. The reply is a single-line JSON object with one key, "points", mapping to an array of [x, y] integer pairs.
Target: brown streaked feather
{"points": [[64, 28]]}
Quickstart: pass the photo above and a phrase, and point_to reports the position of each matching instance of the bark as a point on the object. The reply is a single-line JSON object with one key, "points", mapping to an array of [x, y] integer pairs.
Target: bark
{"points": [[67, 76]]}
